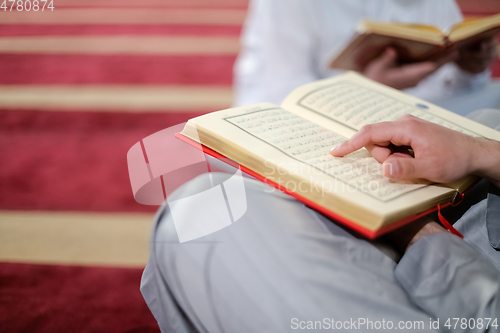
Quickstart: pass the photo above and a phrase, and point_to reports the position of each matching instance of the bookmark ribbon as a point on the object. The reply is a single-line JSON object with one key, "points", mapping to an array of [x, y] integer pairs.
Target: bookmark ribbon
{"points": [[447, 224]]}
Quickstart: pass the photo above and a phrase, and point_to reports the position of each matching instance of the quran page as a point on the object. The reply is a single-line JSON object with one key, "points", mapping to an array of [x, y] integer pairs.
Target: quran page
{"points": [[309, 145]]}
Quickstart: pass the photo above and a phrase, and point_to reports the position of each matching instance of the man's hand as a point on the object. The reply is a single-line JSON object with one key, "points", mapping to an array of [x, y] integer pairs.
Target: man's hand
{"points": [[477, 57], [440, 154], [385, 69]]}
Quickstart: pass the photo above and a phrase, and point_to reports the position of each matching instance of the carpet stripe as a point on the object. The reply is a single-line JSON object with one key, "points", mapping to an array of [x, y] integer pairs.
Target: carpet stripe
{"points": [[127, 16], [110, 239], [121, 45], [73, 161], [110, 29], [116, 69], [157, 3], [114, 98]]}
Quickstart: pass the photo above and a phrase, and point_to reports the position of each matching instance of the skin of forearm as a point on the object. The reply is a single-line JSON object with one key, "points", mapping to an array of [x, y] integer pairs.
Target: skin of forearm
{"points": [[486, 159]]}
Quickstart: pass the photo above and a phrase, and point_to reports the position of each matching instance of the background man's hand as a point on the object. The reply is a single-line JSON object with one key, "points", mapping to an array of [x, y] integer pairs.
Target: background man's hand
{"points": [[440, 154], [385, 69], [477, 57]]}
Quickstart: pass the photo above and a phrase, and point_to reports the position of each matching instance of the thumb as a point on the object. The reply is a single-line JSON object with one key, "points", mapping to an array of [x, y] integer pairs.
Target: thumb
{"points": [[403, 168]]}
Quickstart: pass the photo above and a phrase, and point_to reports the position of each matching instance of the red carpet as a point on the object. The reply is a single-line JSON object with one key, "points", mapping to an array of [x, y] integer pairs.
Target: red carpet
{"points": [[72, 160], [110, 30], [115, 69], [76, 161], [46, 298]]}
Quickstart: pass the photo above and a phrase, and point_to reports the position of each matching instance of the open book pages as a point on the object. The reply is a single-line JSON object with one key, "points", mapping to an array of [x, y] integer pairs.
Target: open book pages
{"points": [[421, 32], [431, 34], [290, 146], [483, 27]]}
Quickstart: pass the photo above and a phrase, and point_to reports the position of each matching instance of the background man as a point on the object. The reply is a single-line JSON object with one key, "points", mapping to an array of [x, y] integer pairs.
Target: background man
{"points": [[286, 44]]}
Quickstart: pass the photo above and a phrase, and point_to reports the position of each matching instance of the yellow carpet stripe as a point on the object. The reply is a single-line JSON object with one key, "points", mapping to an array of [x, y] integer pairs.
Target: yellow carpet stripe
{"points": [[143, 45], [126, 16], [111, 239], [114, 98]]}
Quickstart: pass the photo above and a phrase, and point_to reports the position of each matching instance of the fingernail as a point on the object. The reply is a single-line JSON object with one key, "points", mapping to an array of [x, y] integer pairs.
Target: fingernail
{"points": [[334, 150], [390, 168]]}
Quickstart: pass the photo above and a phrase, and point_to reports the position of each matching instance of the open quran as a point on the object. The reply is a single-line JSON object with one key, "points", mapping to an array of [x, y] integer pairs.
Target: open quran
{"points": [[413, 42], [288, 147]]}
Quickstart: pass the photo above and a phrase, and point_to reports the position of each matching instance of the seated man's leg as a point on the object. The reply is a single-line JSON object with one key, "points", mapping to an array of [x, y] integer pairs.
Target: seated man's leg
{"points": [[464, 101], [474, 227], [479, 204], [487, 117], [279, 264]]}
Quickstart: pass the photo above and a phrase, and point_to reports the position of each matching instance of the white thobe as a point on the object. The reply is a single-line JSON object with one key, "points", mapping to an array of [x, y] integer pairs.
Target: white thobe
{"points": [[289, 43]]}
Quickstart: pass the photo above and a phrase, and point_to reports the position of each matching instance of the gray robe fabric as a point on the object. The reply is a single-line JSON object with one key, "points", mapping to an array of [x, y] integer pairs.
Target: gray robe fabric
{"points": [[282, 265]]}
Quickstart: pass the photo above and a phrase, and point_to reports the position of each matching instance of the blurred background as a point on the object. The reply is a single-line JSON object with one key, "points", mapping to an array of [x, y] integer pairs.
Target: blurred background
{"points": [[78, 87]]}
